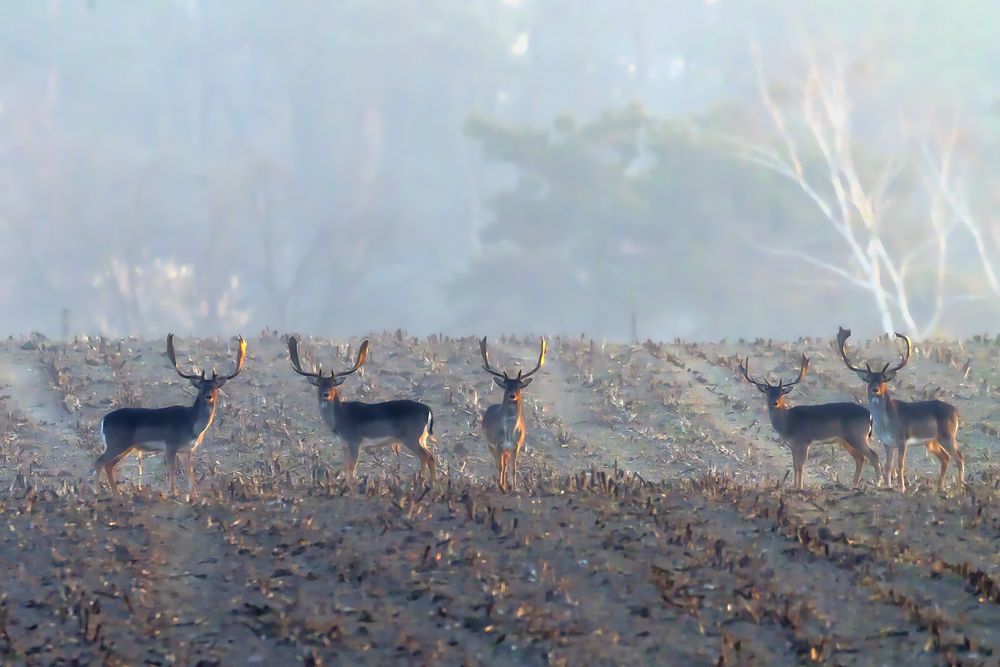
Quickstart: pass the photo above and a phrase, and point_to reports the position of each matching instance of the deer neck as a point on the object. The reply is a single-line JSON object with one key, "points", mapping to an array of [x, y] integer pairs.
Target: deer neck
{"points": [[512, 407], [202, 414], [885, 413], [329, 408], [511, 416], [779, 418]]}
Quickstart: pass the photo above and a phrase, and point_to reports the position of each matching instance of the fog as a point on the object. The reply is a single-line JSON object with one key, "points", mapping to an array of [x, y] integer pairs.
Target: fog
{"points": [[626, 168]]}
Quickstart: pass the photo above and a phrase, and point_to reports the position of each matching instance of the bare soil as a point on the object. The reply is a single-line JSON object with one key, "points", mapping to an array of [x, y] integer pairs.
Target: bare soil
{"points": [[655, 525]]}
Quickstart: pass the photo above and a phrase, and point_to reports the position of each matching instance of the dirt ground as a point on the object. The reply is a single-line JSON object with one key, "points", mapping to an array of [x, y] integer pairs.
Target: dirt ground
{"points": [[655, 524]]}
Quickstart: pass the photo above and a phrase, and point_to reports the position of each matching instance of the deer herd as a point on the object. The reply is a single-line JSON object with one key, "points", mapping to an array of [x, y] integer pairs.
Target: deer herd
{"points": [[410, 424]]}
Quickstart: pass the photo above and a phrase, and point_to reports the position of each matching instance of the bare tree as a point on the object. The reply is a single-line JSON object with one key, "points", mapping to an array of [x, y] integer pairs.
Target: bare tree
{"points": [[816, 121]]}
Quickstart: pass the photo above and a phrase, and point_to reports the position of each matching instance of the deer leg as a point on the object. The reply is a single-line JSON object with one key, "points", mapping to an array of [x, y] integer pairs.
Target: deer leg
{"points": [[872, 457], [859, 464], [901, 465], [103, 462], [502, 469], [798, 463], [802, 464], [501, 472], [431, 466], [868, 452], [506, 469], [889, 470], [945, 460], [961, 463], [97, 477], [108, 461], [851, 446], [937, 450], [417, 445], [426, 456], [495, 451], [190, 472], [427, 461], [351, 451], [170, 455], [138, 457], [513, 466], [109, 470], [950, 446]]}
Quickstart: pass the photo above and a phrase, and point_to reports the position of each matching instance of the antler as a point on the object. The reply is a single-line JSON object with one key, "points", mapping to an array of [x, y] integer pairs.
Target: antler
{"points": [[486, 360], [362, 355], [842, 336], [802, 373], [745, 367], [173, 360], [293, 355], [541, 361], [241, 355], [905, 359]]}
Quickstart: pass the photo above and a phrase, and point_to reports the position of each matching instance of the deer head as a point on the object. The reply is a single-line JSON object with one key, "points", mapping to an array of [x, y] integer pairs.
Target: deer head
{"points": [[327, 384], [775, 393], [208, 387], [875, 379], [512, 386]]}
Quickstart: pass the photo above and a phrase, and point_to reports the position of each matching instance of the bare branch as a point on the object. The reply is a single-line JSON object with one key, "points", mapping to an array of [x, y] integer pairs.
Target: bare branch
{"points": [[776, 116], [813, 261], [940, 172]]}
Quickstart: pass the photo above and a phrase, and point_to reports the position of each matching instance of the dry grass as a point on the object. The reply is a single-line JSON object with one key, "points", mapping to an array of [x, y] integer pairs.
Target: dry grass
{"points": [[653, 526]]}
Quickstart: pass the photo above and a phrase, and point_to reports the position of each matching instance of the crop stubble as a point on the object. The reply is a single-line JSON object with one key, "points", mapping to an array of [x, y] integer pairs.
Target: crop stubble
{"points": [[653, 526]]}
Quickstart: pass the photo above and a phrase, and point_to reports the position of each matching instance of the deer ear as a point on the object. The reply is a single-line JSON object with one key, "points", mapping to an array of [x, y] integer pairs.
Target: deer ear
{"points": [[499, 382], [195, 382], [761, 389], [314, 381], [889, 377], [525, 383], [786, 390], [863, 375], [220, 381]]}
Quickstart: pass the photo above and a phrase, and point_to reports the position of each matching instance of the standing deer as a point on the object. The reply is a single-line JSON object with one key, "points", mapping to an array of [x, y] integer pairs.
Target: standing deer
{"points": [[503, 423], [847, 424], [388, 423], [899, 424], [178, 428]]}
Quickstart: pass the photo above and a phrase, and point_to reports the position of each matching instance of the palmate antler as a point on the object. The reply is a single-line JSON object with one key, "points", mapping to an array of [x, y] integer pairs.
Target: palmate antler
{"points": [[241, 355], [173, 360], [905, 357], [293, 355], [486, 361], [745, 369], [842, 336]]}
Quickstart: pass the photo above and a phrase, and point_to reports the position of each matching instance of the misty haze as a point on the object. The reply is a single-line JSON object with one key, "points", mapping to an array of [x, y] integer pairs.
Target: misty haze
{"points": [[499, 332], [717, 169]]}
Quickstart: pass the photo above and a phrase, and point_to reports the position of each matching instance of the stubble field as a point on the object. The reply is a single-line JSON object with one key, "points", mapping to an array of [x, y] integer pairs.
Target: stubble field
{"points": [[654, 524]]}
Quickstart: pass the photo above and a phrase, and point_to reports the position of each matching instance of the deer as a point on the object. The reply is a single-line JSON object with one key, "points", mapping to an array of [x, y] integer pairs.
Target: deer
{"points": [[899, 424], [503, 423], [405, 422], [847, 424], [174, 429]]}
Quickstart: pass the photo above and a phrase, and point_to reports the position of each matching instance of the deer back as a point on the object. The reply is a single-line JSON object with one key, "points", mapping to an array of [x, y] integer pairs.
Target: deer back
{"points": [[826, 421], [897, 420]]}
